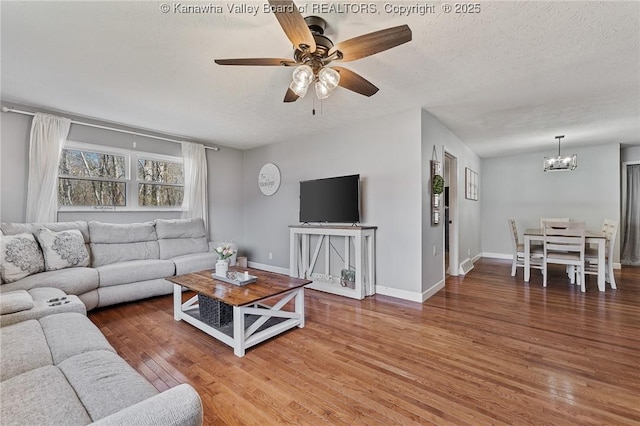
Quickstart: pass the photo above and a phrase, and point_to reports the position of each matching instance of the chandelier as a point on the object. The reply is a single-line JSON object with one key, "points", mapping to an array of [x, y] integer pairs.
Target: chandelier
{"points": [[568, 162]]}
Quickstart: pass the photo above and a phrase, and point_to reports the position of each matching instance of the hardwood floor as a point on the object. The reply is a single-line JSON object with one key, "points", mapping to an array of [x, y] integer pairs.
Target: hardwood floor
{"points": [[488, 349]]}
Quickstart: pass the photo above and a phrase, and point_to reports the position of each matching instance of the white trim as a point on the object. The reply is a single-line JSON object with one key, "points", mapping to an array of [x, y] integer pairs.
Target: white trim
{"points": [[477, 257], [454, 213], [268, 268], [410, 295], [497, 255], [617, 265], [131, 180]]}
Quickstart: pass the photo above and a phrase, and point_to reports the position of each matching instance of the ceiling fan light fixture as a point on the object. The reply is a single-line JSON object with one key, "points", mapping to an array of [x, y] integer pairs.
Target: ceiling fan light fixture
{"points": [[322, 90], [303, 75], [299, 89], [330, 77]]}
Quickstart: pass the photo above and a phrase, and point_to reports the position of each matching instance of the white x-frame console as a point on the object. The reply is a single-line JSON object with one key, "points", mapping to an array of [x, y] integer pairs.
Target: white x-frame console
{"points": [[302, 264]]}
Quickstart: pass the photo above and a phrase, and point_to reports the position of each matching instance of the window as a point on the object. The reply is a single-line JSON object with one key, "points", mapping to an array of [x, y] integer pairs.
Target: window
{"points": [[91, 176], [160, 183]]}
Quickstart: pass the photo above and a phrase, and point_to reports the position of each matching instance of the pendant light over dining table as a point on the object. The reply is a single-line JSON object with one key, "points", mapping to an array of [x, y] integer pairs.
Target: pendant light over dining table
{"points": [[567, 162]]}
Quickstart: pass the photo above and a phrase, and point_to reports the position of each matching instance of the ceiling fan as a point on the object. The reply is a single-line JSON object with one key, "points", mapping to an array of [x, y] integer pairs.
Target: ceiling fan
{"points": [[313, 52]]}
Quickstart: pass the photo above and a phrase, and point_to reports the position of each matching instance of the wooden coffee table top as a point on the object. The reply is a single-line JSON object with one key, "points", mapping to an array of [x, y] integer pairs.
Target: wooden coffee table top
{"points": [[268, 284]]}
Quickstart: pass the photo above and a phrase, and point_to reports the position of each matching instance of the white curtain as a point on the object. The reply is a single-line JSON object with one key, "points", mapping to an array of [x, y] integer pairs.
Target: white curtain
{"points": [[48, 134], [631, 238], [194, 203]]}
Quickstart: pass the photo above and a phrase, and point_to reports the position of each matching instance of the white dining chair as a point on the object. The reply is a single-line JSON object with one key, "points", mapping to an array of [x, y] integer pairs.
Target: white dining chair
{"points": [[610, 230], [518, 251], [564, 245], [552, 219]]}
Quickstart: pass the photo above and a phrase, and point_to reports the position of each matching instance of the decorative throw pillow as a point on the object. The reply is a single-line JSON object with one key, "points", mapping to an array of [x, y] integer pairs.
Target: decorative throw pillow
{"points": [[64, 249], [21, 257]]}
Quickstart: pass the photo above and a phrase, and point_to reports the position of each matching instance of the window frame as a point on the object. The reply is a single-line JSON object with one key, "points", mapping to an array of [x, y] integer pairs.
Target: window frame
{"points": [[154, 157], [131, 180]]}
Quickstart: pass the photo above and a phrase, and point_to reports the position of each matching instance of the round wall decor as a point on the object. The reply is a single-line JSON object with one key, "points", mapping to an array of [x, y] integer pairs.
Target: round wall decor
{"points": [[269, 179]]}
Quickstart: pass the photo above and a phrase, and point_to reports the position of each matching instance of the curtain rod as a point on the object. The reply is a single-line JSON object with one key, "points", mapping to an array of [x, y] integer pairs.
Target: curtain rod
{"points": [[81, 123]]}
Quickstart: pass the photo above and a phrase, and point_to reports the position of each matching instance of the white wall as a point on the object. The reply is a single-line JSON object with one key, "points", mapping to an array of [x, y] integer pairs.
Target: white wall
{"points": [[386, 154], [517, 187], [436, 134], [225, 175]]}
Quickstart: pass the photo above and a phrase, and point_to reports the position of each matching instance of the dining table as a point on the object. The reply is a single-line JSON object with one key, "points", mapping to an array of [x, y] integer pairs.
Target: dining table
{"points": [[591, 237]]}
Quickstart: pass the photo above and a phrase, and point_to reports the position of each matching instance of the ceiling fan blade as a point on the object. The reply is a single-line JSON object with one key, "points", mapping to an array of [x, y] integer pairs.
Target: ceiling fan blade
{"points": [[293, 24], [257, 61], [290, 96], [355, 82], [372, 43]]}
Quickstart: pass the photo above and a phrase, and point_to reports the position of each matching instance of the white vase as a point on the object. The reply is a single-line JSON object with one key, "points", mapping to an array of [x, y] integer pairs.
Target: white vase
{"points": [[222, 266]]}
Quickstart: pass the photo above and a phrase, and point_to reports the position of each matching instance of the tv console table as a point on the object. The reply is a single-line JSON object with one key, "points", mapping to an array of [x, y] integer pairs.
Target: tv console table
{"points": [[302, 264]]}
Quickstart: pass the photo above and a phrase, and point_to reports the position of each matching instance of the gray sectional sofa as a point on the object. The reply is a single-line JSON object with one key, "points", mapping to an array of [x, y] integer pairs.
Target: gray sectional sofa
{"points": [[126, 262], [56, 367], [60, 370]]}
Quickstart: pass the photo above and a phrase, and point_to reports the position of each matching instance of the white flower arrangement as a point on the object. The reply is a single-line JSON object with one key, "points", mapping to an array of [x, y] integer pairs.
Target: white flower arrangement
{"points": [[224, 251]]}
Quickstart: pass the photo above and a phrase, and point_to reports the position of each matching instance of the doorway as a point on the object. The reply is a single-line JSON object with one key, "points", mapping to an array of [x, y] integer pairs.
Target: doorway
{"points": [[451, 258]]}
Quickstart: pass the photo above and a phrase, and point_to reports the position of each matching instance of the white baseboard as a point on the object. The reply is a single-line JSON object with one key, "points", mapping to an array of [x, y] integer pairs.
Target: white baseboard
{"points": [[410, 295], [269, 268], [617, 265], [477, 257], [497, 255]]}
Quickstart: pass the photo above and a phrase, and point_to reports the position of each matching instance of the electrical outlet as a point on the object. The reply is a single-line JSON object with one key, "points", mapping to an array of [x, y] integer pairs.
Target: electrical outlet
{"points": [[468, 252], [434, 249], [270, 256]]}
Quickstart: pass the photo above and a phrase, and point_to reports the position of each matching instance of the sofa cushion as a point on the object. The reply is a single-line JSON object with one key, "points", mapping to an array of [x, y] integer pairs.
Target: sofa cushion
{"points": [[24, 348], [134, 271], [70, 280], [178, 237], [113, 243], [113, 233], [194, 262], [71, 334], [42, 307], [105, 383], [106, 254], [15, 301], [133, 291], [62, 249], [41, 397], [180, 228], [20, 256]]}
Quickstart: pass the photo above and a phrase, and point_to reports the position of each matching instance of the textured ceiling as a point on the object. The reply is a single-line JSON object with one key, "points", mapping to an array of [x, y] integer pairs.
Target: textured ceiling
{"points": [[504, 80]]}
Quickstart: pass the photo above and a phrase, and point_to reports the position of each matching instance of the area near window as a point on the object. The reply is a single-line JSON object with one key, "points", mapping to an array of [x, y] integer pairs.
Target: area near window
{"points": [[92, 176]]}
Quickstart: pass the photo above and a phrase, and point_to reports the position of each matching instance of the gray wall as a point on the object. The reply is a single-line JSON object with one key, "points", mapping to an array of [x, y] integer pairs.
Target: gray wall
{"points": [[517, 187], [436, 134], [224, 177], [391, 154], [386, 154], [631, 153]]}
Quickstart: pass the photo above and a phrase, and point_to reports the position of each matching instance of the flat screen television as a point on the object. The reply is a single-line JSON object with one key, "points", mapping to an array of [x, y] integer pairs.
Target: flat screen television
{"points": [[335, 200]]}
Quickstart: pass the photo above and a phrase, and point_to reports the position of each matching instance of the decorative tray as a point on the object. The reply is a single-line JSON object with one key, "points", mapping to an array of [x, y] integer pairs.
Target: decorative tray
{"points": [[236, 278]]}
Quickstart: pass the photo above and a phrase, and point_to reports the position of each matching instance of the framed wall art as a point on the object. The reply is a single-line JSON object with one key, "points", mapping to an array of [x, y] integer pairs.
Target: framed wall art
{"points": [[470, 184]]}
